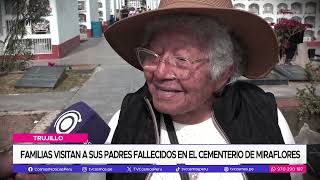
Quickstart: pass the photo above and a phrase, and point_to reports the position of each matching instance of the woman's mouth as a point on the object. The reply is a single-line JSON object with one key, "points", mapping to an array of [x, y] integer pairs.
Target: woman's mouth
{"points": [[166, 93]]}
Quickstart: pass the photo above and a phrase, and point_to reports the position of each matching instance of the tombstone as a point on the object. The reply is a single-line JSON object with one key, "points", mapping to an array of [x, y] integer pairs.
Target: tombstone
{"points": [[292, 72], [301, 59], [41, 77], [307, 136]]}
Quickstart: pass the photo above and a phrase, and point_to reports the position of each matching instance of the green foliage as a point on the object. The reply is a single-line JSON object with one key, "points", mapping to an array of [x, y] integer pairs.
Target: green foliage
{"points": [[17, 50], [309, 100]]}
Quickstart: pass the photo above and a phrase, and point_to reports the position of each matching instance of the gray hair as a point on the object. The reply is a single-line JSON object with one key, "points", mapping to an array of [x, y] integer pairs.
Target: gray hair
{"points": [[224, 49]]}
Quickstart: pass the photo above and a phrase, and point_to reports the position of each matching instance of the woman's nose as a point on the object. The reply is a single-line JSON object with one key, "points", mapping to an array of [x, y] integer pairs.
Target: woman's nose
{"points": [[164, 70]]}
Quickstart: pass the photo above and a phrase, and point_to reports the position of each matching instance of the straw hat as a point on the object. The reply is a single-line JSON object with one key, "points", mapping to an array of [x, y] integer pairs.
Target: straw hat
{"points": [[253, 32]]}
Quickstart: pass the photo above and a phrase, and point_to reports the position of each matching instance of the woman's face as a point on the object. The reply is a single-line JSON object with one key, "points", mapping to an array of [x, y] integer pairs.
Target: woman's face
{"points": [[177, 90]]}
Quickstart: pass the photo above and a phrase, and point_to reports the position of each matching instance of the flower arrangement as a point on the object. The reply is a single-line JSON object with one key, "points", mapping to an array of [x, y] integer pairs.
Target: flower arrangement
{"points": [[286, 28], [289, 33]]}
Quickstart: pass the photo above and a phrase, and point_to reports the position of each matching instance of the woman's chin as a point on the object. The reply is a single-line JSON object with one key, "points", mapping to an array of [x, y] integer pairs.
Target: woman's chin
{"points": [[166, 107]]}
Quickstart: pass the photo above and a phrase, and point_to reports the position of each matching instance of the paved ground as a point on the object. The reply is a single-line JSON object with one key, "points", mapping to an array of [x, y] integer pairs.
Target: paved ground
{"points": [[35, 101]]}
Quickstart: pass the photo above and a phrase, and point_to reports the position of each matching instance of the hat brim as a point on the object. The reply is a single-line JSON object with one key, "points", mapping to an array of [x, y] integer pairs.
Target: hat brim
{"points": [[254, 33]]}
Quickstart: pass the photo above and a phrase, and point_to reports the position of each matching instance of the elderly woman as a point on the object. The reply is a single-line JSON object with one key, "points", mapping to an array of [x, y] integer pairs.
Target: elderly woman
{"points": [[191, 54]]}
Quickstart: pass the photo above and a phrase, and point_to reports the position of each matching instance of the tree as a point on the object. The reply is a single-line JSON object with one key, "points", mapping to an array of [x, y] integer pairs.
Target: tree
{"points": [[17, 50], [308, 97]]}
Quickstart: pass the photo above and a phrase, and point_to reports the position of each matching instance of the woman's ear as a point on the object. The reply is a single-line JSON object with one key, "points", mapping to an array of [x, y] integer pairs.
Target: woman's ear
{"points": [[224, 79]]}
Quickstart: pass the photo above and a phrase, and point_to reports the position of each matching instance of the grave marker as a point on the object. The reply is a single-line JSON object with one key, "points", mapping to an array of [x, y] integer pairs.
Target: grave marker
{"points": [[41, 76]]}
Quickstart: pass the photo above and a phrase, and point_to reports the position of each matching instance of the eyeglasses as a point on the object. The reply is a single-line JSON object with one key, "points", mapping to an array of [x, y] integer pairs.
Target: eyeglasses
{"points": [[150, 59]]}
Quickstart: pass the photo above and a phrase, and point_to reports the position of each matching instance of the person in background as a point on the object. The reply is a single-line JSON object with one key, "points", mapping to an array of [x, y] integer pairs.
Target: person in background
{"points": [[132, 11]]}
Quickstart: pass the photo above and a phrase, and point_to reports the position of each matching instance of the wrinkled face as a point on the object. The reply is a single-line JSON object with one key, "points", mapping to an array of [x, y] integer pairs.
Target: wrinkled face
{"points": [[175, 90]]}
